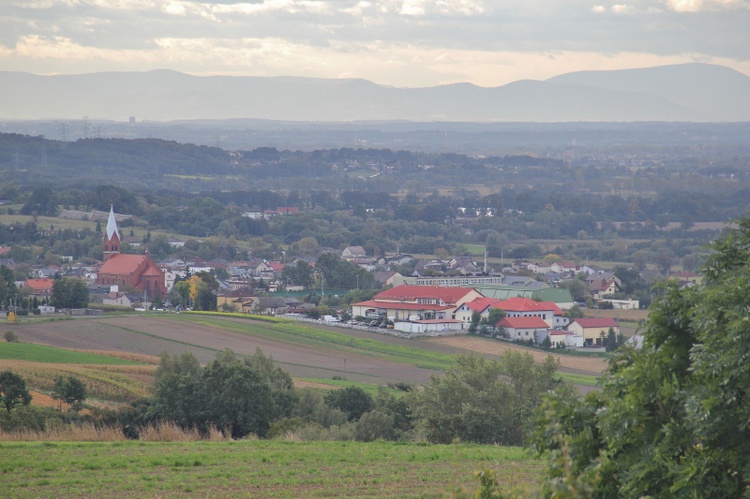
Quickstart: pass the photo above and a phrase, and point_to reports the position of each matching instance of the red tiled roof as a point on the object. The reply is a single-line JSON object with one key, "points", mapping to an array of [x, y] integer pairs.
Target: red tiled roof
{"points": [[520, 304], [524, 323], [411, 293], [276, 266], [479, 304], [552, 306], [121, 264], [40, 284], [587, 322], [399, 306]]}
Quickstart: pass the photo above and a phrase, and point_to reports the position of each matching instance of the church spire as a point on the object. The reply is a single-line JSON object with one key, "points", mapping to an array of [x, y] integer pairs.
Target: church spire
{"points": [[112, 237]]}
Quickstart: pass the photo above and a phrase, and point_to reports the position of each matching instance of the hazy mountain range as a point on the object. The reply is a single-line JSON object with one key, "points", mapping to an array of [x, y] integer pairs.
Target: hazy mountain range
{"points": [[686, 92]]}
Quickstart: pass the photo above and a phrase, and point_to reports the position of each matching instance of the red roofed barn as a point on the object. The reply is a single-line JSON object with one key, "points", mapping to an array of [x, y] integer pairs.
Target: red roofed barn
{"points": [[134, 271]]}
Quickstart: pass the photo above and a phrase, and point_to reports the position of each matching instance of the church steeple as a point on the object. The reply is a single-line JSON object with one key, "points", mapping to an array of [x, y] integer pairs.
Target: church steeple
{"points": [[111, 236]]}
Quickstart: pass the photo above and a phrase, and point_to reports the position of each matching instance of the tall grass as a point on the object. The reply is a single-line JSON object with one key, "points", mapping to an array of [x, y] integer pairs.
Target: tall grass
{"points": [[88, 432], [85, 432]]}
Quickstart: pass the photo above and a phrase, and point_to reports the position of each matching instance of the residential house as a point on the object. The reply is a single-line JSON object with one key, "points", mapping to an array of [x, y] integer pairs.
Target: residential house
{"points": [[41, 288], [526, 307], [269, 305], [523, 328], [122, 298], [48, 272], [593, 330], [481, 305], [353, 253], [415, 302]]}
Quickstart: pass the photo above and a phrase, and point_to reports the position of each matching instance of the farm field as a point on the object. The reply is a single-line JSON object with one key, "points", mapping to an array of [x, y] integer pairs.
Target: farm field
{"points": [[304, 352], [578, 364], [258, 468]]}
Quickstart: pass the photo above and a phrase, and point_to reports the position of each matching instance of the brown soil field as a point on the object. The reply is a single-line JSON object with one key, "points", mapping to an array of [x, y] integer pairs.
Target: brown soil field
{"points": [[150, 335], [583, 365], [624, 315]]}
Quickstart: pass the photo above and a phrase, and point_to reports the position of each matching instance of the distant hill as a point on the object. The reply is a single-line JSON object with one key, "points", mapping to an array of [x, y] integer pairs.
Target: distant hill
{"points": [[688, 92]]}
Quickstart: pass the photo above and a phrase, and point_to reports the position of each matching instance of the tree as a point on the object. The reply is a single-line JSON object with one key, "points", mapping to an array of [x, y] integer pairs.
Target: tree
{"points": [[672, 419], [476, 317], [299, 274], [70, 293], [352, 400], [482, 400], [13, 390], [70, 390]]}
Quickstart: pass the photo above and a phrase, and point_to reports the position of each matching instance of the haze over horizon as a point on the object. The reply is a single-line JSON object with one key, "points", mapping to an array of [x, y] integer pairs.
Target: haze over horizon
{"points": [[402, 43]]}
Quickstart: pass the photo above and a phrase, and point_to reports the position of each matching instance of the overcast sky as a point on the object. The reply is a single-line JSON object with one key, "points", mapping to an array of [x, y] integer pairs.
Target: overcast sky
{"points": [[406, 43]]}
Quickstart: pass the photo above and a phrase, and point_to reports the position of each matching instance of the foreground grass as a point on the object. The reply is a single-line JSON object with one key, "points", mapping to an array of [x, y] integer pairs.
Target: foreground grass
{"points": [[259, 468]]}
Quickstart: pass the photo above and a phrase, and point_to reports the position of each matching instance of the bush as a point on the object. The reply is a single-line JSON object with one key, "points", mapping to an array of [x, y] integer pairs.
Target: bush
{"points": [[373, 426], [10, 337]]}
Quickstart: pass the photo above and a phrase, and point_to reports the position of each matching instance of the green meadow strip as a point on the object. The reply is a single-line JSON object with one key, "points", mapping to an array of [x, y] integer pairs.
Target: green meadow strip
{"points": [[260, 468], [342, 383], [579, 379], [40, 353]]}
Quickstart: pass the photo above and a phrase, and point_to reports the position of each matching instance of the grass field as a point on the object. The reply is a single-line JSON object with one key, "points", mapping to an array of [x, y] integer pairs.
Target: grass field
{"points": [[41, 353], [256, 469]]}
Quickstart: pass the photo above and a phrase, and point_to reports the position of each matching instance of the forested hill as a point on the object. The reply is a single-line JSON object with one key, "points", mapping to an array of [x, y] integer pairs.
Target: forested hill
{"points": [[159, 164]]}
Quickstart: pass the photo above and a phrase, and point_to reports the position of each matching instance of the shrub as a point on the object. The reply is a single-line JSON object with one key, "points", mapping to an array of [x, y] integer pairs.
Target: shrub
{"points": [[10, 337]]}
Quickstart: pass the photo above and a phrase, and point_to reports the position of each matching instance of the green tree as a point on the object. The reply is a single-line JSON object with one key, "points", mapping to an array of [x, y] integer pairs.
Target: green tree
{"points": [[299, 274], [70, 293], [673, 418], [70, 390], [482, 400], [352, 400], [13, 390], [476, 318]]}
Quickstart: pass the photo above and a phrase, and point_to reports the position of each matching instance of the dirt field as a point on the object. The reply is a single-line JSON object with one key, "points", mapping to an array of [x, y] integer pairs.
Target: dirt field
{"points": [[151, 335], [583, 365]]}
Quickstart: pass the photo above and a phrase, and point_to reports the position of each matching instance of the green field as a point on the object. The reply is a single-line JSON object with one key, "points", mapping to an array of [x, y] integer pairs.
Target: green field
{"points": [[256, 469], [40, 353]]}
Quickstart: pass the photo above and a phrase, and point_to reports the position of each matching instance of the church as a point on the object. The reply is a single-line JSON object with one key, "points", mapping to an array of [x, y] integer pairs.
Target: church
{"points": [[129, 271]]}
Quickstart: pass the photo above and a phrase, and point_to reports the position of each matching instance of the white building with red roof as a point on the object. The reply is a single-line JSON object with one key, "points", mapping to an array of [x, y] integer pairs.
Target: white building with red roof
{"points": [[593, 329], [415, 302], [524, 328], [548, 311], [482, 305]]}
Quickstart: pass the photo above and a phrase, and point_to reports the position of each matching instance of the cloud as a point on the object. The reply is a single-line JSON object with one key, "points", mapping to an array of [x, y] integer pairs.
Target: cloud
{"points": [[400, 42]]}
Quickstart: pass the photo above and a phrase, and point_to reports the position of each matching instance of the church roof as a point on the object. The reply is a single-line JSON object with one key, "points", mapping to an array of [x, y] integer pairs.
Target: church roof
{"points": [[120, 264], [111, 223]]}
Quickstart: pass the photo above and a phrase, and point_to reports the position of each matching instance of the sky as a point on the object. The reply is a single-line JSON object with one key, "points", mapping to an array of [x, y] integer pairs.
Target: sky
{"points": [[403, 43]]}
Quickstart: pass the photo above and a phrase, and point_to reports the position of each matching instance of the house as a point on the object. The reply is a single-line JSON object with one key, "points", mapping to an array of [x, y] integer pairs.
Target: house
{"points": [[122, 298], [353, 253], [234, 298], [415, 302], [481, 305], [135, 271], [560, 338], [523, 328], [39, 287], [269, 305], [602, 288], [593, 330], [526, 307], [47, 272]]}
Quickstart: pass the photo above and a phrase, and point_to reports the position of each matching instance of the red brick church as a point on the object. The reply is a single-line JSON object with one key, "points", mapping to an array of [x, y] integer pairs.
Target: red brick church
{"points": [[135, 271]]}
